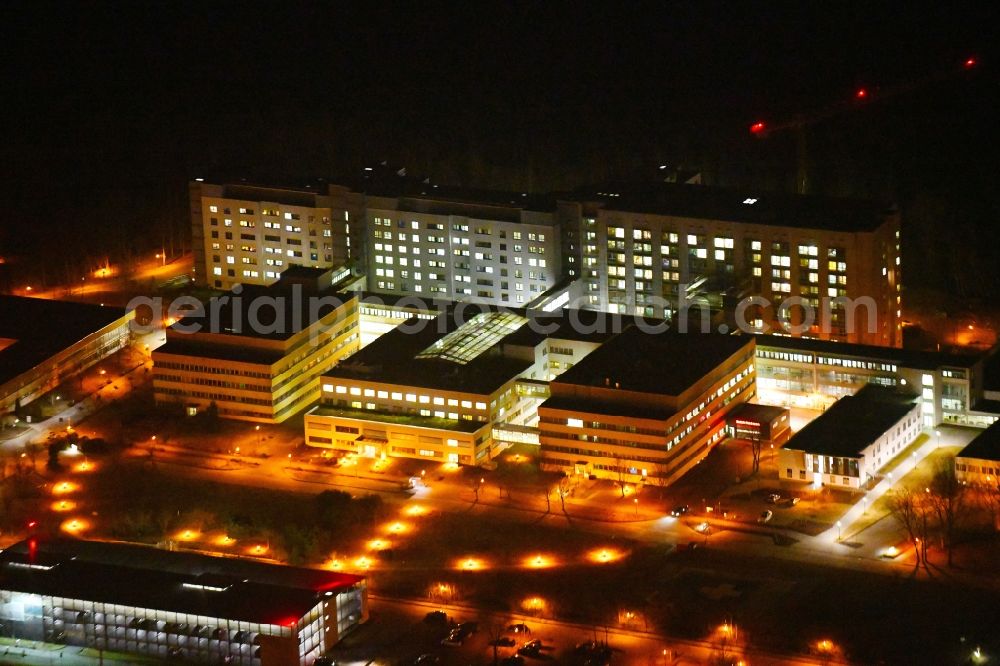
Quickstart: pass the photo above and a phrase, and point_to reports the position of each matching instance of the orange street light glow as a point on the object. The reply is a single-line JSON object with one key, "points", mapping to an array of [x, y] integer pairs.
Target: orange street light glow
{"points": [[604, 555], [533, 604], [75, 526], [64, 488], [471, 564], [224, 540], [378, 544], [188, 535], [258, 549], [415, 510], [63, 505], [363, 562], [539, 562], [397, 528], [335, 565], [85, 466]]}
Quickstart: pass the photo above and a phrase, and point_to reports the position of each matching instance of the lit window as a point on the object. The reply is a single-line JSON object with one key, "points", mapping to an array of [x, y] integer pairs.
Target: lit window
{"points": [[574, 423]]}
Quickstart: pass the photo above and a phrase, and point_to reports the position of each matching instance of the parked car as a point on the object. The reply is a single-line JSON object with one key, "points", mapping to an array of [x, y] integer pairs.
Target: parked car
{"points": [[531, 648], [504, 641], [765, 516], [426, 660], [679, 511], [455, 637], [702, 527], [520, 628], [469, 627], [773, 498]]}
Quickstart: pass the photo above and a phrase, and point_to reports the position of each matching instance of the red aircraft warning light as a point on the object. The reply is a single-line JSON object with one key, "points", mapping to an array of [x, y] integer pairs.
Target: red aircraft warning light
{"points": [[861, 93], [757, 128], [970, 62]]}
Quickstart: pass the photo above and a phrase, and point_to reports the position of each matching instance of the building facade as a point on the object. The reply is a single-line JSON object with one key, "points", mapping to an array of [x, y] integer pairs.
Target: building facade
{"points": [[35, 360], [192, 608], [850, 442], [650, 251], [814, 374], [497, 250], [247, 234], [428, 389], [645, 408], [979, 463], [266, 374]]}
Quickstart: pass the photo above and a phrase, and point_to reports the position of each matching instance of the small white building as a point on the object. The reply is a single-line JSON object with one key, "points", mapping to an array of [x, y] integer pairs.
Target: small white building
{"points": [[850, 442]]}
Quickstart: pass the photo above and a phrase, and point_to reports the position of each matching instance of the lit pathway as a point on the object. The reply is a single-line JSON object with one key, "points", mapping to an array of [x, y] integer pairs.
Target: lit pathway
{"points": [[843, 527]]}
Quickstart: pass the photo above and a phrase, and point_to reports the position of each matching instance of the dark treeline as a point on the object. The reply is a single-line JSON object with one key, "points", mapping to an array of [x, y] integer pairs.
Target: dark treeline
{"points": [[110, 124]]}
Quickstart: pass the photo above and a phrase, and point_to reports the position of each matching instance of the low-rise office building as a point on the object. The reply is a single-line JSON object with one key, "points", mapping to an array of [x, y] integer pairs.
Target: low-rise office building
{"points": [[762, 423], [815, 373], [259, 351], [852, 440], [175, 606], [645, 408], [979, 462], [428, 389], [43, 343]]}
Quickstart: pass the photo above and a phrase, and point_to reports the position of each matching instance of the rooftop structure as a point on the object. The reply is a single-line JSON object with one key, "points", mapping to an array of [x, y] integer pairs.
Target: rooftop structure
{"points": [[666, 363]]}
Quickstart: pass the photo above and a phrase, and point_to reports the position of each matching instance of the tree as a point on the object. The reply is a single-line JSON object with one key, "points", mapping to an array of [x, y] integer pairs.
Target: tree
{"points": [[755, 446], [904, 505], [564, 489], [947, 500], [476, 484], [620, 471]]}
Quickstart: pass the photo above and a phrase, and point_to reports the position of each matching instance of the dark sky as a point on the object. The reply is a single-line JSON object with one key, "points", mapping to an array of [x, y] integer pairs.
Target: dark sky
{"points": [[121, 104]]}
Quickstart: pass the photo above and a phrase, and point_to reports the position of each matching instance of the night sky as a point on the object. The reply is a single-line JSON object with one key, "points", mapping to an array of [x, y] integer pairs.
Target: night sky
{"points": [[111, 109]]}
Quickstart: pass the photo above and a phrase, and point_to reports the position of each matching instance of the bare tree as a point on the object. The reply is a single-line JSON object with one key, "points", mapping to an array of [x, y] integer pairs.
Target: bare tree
{"points": [[904, 505], [564, 489], [755, 447], [947, 500], [620, 471]]}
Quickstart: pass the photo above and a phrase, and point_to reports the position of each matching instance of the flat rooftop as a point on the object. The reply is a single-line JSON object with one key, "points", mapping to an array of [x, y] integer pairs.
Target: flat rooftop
{"points": [[32, 330], [661, 363], [743, 205], [398, 358], [986, 445], [907, 358], [147, 577], [760, 413], [852, 423], [273, 312]]}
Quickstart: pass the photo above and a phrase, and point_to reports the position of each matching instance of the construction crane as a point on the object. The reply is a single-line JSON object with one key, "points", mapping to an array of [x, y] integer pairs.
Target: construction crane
{"points": [[799, 123]]}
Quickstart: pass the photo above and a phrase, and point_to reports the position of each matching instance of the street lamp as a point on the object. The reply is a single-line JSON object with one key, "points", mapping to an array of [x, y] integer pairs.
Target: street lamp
{"points": [[838, 531], [636, 501]]}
